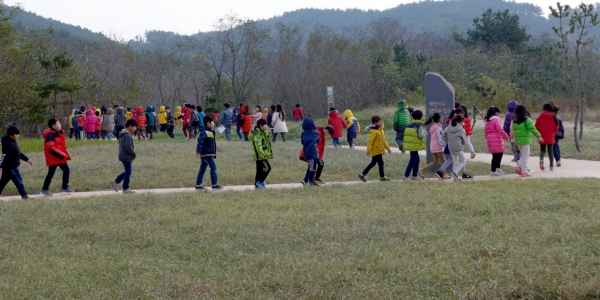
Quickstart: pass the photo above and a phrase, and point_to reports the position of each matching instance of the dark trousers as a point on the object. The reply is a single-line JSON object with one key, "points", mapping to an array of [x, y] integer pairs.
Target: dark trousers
{"points": [[351, 136], [125, 177], [496, 160], [320, 165], [15, 176], [310, 170], [263, 168], [71, 130], [149, 131], [550, 152], [377, 159], [170, 131], [163, 127], [238, 130], [185, 130], [246, 137], [65, 178], [118, 130], [282, 136], [413, 164]]}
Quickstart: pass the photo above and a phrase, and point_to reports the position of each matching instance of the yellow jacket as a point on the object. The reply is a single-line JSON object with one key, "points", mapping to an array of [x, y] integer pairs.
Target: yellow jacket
{"points": [[162, 116], [350, 121], [377, 144], [177, 114], [71, 119], [128, 115]]}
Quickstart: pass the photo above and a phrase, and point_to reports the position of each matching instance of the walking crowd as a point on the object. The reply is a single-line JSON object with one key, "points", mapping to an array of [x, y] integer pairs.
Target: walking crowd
{"points": [[261, 127]]}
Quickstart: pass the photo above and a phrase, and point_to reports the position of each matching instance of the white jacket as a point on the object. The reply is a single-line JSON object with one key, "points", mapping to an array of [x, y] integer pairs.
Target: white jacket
{"points": [[278, 124]]}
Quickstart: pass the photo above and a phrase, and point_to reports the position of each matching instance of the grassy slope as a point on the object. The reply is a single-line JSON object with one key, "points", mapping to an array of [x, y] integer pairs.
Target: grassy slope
{"points": [[368, 241]]}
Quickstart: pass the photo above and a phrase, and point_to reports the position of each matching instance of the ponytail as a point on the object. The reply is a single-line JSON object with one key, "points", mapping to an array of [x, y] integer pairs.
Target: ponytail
{"points": [[457, 119], [433, 119]]}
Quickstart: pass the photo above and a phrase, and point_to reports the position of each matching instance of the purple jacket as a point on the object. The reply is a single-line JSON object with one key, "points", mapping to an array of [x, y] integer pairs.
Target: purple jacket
{"points": [[512, 104]]}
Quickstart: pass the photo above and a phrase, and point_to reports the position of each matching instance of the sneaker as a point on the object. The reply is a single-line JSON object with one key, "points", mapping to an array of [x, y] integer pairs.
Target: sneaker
{"points": [[313, 184], [46, 193], [216, 187], [26, 198], [513, 160], [551, 168], [414, 178], [495, 174], [114, 185], [199, 187], [421, 173], [455, 176], [467, 176], [473, 155], [439, 174], [319, 181], [68, 190], [384, 178], [128, 192], [263, 185], [499, 171], [362, 177], [525, 175], [447, 176], [519, 171], [542, 165], [304, 183], [558, 164]]}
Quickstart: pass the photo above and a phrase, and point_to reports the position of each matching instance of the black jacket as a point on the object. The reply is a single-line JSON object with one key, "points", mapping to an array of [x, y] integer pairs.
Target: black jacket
{"points": [[11, 154]]}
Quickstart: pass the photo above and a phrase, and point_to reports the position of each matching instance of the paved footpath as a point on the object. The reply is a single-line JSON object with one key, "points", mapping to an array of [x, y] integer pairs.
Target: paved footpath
{"points": [[571, 168]]}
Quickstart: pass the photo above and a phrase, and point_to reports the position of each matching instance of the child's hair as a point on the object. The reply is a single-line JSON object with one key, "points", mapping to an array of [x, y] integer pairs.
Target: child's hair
{"points": [[167, 108], [491, 112], [457, 119], [433, 119], [51, 122], [131, 122], [97, 113], [273, 107], [281, 112], [417, 115], [454, 113], [259, 108], [332, 108], [520, 115], [207, 119], [227, 105], [199, 108], [129, 109], [410, 110], [465, 111], [330, 129], [297, 105], [375, 119], [261, 122], [556, 107], [12, 130], [550, 108], [456, 105]]}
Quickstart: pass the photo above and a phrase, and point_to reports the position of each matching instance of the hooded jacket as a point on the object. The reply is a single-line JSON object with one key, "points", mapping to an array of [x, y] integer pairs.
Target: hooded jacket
{"points": [[74, 124], [71, 117], [337, 122], [401, 117], [320, 145], [265, 113], [150, 117], [98, 114], [126, 148], [80, 120], [309, 139], [436, 144], [547, 125], [414, 137], [239, 121], [128, 116], [90, 122], [511, 105], [140, 116], [377, 143], [177, 114], [55, 147], [11, 154], [455, 137], [207, 144], [247, 117], [261, 144], [494, 134], [352, 122], [120, 118], [227, 117], [162, 115], [108, 120]]}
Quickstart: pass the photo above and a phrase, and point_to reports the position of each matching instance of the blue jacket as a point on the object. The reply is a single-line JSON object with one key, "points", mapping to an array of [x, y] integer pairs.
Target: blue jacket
{"points": [[150, 117], [309, 139], [74, 120], [207, 145], [353, 127]]}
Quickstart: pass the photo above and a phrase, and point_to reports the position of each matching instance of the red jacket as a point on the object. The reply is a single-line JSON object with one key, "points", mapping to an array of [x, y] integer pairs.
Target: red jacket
{"points": [[338, 124], [140, 117], [187, 113], [55, 147], [467, 127], [297, 112], [547, 125], [247, 117], [320, 145]]}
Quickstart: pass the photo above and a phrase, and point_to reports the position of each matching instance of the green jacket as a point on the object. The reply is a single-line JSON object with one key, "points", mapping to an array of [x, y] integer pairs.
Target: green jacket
{"points": [[412, 141], [401, 117], [261, 144], [523, 130]]}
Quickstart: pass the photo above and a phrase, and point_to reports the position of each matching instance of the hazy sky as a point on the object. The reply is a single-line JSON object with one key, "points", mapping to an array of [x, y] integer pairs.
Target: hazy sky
{"points": [[128, 18]]}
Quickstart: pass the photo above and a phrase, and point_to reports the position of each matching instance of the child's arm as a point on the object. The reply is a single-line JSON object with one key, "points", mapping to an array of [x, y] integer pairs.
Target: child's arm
{"points": [[50, 145], [445, 136], [385, 143], [501, 131], [200, 144], [370, 142], [420, 132], [440, 138], [357, 127], [529, 125]]}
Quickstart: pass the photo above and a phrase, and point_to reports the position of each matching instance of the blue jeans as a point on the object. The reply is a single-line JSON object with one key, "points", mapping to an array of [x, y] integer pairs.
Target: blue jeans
{"points": [[15, 176], [208, 161], [556, 151], [239, 133], [336, 142], [227, 132], [108, 134], [413, 164], [125, 176]]}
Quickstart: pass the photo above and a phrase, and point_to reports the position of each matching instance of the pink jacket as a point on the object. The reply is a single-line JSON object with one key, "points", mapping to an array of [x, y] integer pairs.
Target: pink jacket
{"points": [[434, 145], [494, 134], [90, 121]]}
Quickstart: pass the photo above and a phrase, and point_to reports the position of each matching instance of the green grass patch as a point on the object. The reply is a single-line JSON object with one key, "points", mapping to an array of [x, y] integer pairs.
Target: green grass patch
{"points": [[470, 240]]}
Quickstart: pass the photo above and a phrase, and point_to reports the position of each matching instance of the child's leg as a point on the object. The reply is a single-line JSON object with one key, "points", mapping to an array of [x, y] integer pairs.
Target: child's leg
{"points": [[49, 176], [246, 136], [551, 154], [448, 161], [320, 165], [469, 144], [435, 162], [542, 153], [310, 171], [228, 132], [184, 128], [496, 160], [201, 171], [18, 181], [283, 137], [556, 151], [239, 133], [336, 141], [414, 155], [66, 174], [170, 131], [371, 165], [127, 177], [380, 164], [6, 176], [149, 130], [274, 137], [417, 161], [524, 149], [351, 136], [213, 169], [458, 158], [70, 133]]}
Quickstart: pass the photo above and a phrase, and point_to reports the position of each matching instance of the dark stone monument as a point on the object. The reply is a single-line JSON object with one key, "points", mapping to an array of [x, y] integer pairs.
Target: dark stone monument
{"points": [[439, 98]]}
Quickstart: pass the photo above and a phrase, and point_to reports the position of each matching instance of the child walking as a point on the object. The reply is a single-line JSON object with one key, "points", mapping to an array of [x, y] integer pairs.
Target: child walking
{"points": [[468, 129], [338, 124], [523, 126], [126, 156], [559, 135], [206, 151], [401, 119], [326, 131], [494, 134], [455, 137], [414, 141], [547, 125], [261, 152], [352, 127], [511, 106], [55, 150], [376, 146], [11, 160], [436, 146], [310, 140]]}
